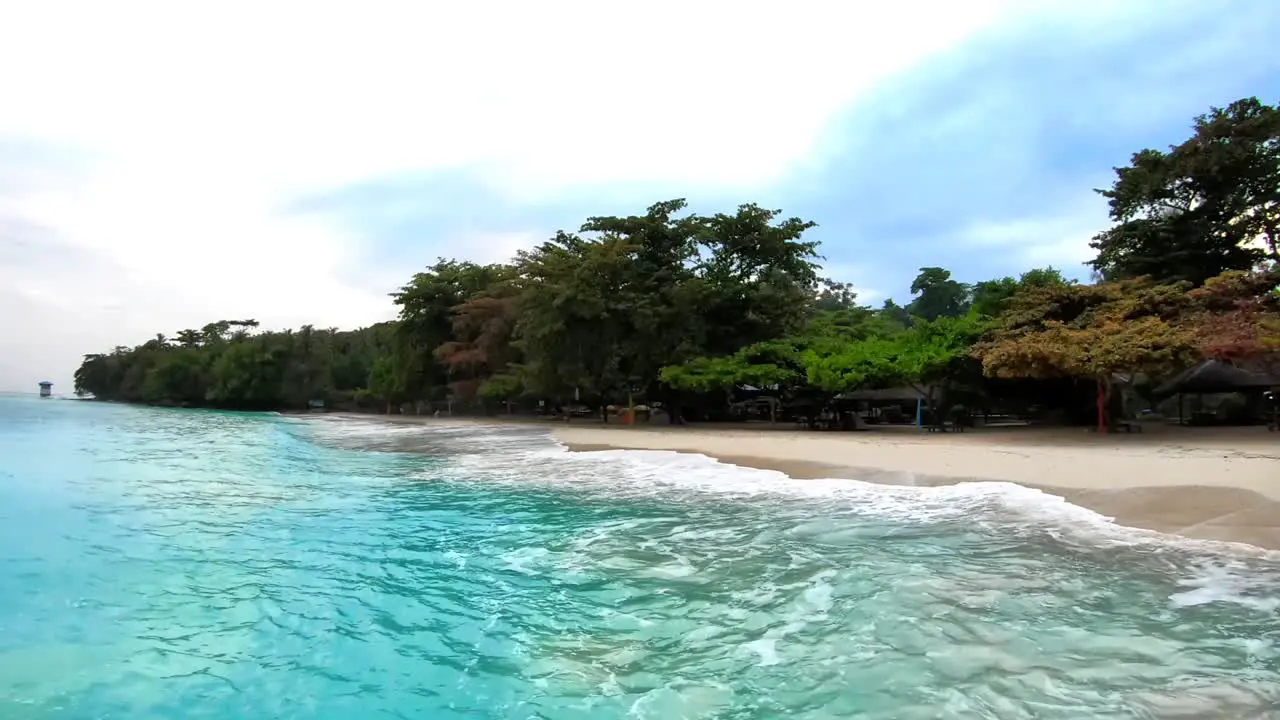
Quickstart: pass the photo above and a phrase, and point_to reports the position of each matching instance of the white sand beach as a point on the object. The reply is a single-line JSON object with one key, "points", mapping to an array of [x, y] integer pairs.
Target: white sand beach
{"points": [[1214, 484]]}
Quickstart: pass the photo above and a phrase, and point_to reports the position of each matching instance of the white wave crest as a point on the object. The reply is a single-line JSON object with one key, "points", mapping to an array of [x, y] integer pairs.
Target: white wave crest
{"points": [[528, 456]]}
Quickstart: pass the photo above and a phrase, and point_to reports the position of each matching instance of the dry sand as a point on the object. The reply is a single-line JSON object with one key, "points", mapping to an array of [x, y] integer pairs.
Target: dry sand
{"points": [[1213, 484]]}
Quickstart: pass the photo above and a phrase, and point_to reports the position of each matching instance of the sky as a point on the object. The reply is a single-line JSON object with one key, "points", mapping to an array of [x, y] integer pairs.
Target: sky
{"points": [[164, 165]]}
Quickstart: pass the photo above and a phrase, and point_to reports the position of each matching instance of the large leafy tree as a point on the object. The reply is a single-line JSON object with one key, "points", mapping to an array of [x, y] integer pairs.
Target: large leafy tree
{"points": [[575, 319], [759, 278], [604, 311], [427, 304], [938, 295], [482, 332], [663, 322], [924, 357], [991, 297], [1093, 332], [1236, 317], [1203, 207], [767, 364], [777, 363]]}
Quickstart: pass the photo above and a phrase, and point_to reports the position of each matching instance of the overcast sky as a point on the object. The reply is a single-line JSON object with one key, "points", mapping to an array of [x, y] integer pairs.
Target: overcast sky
{"points": [[162, 167]]}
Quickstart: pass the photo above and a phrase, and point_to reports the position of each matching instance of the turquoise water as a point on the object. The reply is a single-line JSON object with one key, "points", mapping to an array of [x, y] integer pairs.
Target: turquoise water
{"points": [[178, 564]]}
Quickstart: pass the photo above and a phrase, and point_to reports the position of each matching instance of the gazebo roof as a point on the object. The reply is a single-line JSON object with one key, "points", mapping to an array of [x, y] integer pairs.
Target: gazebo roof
{"points": [[1213, 376], [903, 394]]}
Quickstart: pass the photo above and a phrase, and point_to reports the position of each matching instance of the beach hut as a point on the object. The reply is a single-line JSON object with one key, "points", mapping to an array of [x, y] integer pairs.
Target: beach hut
{"points": [[46, 389], [1212, 377], [898, 395]]}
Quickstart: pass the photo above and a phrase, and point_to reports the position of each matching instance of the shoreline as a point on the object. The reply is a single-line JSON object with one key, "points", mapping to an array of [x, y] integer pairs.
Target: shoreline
{"points": [[1216, 491], [1214, 484]]}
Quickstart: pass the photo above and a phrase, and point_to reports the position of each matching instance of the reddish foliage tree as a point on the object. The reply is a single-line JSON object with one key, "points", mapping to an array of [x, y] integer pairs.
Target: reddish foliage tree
{"points": [[1091, 331], [483, 327], [1134, 326], [1236, 318]]}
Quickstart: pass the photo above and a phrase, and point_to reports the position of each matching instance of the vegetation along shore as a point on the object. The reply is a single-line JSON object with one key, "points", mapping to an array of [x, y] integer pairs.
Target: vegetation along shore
{"points": [[683, 310]]}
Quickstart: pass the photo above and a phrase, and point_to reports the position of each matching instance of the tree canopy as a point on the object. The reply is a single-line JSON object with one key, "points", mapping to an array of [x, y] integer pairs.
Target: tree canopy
{"points": [[1205, 206]]}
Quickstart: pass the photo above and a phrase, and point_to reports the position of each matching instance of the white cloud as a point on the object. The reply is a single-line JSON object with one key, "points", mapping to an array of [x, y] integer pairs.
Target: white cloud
{"points": [[1060, 239], [500, 247], [854, 274], [198, 123]]}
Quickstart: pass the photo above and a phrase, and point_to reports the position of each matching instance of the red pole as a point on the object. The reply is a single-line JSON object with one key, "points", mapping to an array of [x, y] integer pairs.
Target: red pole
{"points": [[1102, 408]]}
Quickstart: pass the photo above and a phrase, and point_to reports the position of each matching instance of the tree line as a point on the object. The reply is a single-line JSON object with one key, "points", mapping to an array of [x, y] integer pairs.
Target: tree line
{"points": [[675, 307]]}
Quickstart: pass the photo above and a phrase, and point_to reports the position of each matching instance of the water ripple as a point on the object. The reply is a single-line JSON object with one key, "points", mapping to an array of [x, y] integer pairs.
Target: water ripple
{"points": [[166, 564]]}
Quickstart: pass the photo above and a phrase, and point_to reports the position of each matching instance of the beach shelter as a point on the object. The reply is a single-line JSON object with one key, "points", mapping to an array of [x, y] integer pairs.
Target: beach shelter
{"points": [[1211, 377], [898, 394]]}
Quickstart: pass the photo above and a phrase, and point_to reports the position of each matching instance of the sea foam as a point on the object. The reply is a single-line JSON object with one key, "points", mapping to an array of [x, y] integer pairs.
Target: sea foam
{"points": [[529, 456]]}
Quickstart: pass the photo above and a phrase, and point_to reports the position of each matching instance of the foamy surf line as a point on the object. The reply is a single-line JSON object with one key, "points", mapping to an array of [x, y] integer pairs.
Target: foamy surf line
{"points": [[492, 450], [519, 457], [939, 499], [1220, 571]]}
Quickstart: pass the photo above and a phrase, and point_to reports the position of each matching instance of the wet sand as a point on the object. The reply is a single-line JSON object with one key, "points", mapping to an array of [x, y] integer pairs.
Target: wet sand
{"points": [[1211, 484]]}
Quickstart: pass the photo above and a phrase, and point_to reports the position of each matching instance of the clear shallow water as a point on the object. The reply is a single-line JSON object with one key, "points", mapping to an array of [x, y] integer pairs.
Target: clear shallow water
{"points": [[172, 564]]}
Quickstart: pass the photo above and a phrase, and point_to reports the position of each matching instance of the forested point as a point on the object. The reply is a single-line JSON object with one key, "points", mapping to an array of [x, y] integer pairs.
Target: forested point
{"points": [[681, 310]]}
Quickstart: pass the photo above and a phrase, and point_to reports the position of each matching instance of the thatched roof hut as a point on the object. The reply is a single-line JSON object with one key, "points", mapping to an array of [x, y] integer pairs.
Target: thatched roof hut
{"points": [[1213, 376]]}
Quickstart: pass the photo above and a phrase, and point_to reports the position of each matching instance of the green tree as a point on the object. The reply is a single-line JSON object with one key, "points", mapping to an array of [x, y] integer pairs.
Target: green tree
{"points": [[991, 297], [1206, 206], [663, 324], [386, 381], [248, 374], [937, 295], [760, 278], [575, 315], [927, 357], [228, 365], [833, 295], [895, 313], [180, 377]]}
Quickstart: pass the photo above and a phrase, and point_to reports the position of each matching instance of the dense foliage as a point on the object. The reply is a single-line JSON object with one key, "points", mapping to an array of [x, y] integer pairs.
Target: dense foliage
{"points": [[226, 364], [674, 307]]}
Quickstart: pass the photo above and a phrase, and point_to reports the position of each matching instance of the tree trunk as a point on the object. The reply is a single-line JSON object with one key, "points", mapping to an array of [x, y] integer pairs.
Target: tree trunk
{"points": [[1103, 395]]}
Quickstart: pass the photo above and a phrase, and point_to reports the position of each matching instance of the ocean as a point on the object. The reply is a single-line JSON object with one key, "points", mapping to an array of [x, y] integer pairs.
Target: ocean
{"points": [[189, 564]]}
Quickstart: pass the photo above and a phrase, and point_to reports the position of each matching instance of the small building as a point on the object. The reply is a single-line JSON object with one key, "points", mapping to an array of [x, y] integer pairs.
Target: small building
{"points": [[46, 389]]}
